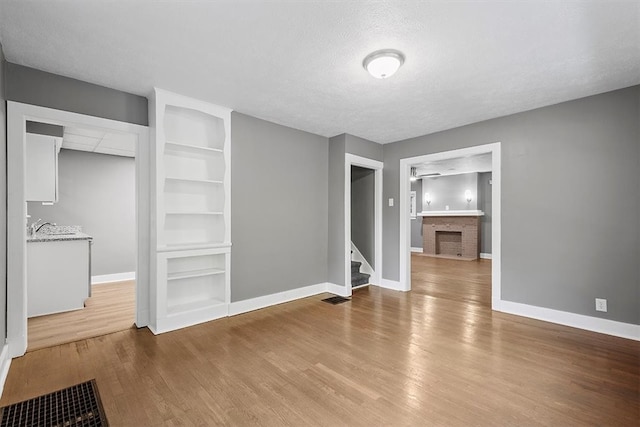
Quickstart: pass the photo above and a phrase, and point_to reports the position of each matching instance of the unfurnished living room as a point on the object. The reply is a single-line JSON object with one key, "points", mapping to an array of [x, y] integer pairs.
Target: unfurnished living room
{"points": [[367, 213]]}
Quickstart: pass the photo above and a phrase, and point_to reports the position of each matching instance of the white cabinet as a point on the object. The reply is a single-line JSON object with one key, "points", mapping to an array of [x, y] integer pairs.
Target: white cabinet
{"points": [[58, 276], [42, 168], [192, 211]]}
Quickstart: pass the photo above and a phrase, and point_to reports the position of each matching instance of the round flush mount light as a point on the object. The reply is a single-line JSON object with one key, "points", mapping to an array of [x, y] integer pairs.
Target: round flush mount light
{"points": [[382, 64]]}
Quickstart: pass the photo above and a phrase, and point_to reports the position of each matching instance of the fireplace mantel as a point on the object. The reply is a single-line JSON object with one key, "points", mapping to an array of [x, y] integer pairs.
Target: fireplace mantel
{"points": [[451, 213]]}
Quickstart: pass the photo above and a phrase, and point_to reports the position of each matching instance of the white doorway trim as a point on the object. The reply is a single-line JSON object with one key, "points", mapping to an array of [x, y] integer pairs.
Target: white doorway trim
{"points": [[17, 115], [377, 166], [405, 220]]}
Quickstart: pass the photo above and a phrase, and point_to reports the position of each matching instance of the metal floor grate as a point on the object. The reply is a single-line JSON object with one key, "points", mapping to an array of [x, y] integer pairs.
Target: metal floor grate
{"points": [[78, 405], [334, 300]]}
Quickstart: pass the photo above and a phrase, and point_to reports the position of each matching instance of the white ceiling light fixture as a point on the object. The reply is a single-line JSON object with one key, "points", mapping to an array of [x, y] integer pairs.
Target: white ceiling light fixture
{"points": [[384, 63]]}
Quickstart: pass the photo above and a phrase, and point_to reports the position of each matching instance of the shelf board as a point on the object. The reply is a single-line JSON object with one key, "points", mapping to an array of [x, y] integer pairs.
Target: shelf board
{"points": [[180, 146], [194, 213], [188, 246], [201, 181], [194, 273], [193, 306]]}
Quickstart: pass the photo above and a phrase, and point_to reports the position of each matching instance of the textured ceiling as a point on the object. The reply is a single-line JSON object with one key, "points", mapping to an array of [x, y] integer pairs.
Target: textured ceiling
{"points": [[455, 166], [299, 63], [99, 141]]}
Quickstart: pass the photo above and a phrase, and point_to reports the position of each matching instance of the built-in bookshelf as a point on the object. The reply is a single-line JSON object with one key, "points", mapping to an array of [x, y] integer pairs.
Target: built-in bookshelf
{"points": [[192, 140]]}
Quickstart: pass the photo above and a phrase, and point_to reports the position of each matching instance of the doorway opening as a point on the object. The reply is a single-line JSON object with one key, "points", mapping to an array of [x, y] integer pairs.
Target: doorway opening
{"points": [[115, 138], [456, 221], [95, 177], [363, 222]]}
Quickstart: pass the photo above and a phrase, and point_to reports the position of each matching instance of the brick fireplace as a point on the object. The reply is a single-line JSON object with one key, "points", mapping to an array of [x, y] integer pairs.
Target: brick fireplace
{"points": [[451, 235]]}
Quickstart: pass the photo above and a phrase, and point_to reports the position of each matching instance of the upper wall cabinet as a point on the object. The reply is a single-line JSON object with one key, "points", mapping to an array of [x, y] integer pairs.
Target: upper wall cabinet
{"points": [[192, 211], [42, 168]]}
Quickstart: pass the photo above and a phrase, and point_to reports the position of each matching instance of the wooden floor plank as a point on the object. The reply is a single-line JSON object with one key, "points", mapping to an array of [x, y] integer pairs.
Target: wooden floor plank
{"points": [[110, 309], [436, 355]]}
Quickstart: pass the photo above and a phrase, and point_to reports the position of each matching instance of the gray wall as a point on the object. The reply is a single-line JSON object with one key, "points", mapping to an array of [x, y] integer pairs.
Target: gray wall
{"points": [[336, 256], [416, 224], [485, 205], [449, 191], [3, 203], [363, 212], [363, 147], [569, 234], [44, 129], [278, 208], [31, 86], [97, 191]]}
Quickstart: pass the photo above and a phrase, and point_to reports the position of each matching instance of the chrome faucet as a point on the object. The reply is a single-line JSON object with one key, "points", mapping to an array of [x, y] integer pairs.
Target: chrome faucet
{"points": [[33, 226], [43, 224]]}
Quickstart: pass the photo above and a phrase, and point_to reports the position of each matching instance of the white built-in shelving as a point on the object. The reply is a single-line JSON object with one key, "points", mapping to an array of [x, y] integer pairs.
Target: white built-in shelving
{"points": [[192, 215]]}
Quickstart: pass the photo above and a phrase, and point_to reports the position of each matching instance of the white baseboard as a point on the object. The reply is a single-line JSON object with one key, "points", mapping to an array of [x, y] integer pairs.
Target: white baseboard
{"points": [[391, 284], [337, 289], [419, 250], [5, 363], [245, 306], [580, 321], [116, 277], [485, 256]]}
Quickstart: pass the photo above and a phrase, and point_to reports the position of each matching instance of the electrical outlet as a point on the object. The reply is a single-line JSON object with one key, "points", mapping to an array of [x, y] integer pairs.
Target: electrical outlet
{"points": [[390, 202], [601, 304]]}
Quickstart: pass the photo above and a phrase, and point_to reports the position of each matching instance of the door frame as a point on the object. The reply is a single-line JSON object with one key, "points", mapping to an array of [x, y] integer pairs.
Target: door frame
{"points": [[405, 220], [17, 115], [377, 166]]}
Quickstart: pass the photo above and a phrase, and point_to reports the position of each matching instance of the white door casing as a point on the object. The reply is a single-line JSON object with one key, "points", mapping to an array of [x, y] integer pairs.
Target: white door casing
{"points": [[17, 115]]}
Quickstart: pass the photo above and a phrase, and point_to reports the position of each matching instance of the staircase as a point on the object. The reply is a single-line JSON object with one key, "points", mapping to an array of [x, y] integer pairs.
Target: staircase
{"points": [[358, 279]]}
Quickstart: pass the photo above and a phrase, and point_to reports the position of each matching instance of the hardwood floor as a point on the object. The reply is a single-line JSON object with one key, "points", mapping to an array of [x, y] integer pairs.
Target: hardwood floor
{"points": [[111, 308], [433, 356]]}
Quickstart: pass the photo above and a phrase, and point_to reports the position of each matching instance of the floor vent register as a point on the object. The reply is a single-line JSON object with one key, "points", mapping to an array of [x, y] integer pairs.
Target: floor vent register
{"points": [[78, 405]]}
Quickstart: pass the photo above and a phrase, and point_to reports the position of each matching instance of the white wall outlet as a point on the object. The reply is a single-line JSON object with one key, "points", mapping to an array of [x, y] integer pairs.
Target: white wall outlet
{"points": [[391, 202], [601, 304]]}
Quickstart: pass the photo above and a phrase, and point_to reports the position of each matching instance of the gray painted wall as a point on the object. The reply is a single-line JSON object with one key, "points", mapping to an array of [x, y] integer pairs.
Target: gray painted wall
{"points": [[485, 205], [363, 147], [31, 86], [569, 234], [97, 191], [363, 212], [44, 129], [278, 208], [416, 224], [449, 191], [3, 203], [336, 255]]}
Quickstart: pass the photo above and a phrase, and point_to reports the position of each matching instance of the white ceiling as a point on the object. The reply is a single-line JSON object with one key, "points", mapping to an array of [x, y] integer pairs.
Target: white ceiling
{"points": [[97, 141], [456, 166], [300, 63]]}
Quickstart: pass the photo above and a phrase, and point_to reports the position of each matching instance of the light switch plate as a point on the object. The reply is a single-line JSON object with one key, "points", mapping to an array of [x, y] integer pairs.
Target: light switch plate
{"points": [[390, 201]]}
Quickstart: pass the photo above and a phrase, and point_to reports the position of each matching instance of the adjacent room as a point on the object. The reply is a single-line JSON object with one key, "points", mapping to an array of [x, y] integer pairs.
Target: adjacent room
{"points": [[320, 213]]}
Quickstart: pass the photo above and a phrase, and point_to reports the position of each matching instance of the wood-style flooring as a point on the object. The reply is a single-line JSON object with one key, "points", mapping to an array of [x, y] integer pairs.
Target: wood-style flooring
{"points": [[434, 356], [111, 308]]}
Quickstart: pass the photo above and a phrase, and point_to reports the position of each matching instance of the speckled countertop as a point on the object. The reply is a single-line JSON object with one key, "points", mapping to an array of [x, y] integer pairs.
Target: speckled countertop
{"points": [[44, 237], [59, 233]]}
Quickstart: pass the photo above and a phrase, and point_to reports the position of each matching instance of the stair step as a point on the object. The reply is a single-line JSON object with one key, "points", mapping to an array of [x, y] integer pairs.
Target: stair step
{"points": [[355, 266], [358, 279]]}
